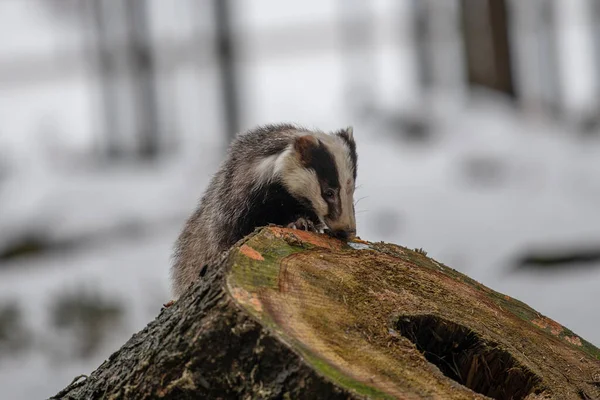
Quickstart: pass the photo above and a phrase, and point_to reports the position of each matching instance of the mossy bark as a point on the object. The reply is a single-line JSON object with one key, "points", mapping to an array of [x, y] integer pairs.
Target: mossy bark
{"points": [[292, 314]]}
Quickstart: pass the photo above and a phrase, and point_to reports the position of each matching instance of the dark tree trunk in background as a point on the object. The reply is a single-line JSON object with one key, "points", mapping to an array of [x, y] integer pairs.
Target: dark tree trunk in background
{"points": [[485, 26], [142, 74], [422, 17], [109, 19], [550, 74], [99, 12], [225, 48], [595, 6]]}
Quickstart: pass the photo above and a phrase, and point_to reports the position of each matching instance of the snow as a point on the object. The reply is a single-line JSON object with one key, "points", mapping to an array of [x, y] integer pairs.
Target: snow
{"points": [[544, 189]]}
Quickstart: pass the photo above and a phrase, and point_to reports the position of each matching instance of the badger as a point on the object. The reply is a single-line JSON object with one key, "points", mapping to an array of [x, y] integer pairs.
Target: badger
{"points": [[279, 174]]}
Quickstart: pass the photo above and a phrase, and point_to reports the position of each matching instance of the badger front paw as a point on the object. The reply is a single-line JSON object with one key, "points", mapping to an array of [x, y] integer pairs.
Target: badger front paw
{"points": [[303, 224]]}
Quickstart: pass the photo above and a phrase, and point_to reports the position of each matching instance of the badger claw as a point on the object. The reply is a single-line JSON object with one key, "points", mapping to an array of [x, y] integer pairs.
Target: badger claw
{"points": [[303, 224]]}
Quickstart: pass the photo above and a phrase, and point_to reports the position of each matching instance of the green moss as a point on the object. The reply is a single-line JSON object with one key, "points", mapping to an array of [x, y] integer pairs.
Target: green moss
{"points": [[586, 346], [253, 274], [258, 275], [514, 306], [341, 379]]}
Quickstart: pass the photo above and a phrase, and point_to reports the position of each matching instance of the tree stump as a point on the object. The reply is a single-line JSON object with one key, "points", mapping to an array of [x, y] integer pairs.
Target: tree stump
{"points": [[297, 315]]}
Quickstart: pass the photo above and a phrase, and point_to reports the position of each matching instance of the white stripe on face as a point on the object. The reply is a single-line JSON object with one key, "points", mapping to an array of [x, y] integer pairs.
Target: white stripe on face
{"points": [[346, 221]]}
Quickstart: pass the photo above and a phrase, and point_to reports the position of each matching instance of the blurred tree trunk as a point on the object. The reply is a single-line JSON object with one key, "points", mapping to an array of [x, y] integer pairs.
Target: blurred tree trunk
{"points": [[537, 61], [125, 67], [595, 5], [226, 60], [485, 26], [99, 13], [548, 37], [142, 75], [292, 314], [422, 11]]}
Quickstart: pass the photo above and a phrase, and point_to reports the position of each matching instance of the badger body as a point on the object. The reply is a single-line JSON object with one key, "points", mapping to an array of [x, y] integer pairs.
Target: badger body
{"points": [[275, 174]]}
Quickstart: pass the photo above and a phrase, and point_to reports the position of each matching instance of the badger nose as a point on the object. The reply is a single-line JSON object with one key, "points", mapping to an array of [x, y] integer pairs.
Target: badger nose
{"points": [[344, 234]]}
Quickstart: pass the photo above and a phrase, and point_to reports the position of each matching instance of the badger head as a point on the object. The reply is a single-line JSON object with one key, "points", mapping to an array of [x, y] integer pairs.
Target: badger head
{"points": [[320, 169]]}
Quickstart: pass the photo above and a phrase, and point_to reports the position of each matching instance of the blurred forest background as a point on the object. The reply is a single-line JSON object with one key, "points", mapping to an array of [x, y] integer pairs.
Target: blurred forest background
{"points": [[477, 124]]}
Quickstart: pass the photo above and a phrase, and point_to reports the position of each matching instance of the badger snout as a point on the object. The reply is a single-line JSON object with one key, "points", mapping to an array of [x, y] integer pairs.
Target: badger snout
{"points": [[344, 234]]}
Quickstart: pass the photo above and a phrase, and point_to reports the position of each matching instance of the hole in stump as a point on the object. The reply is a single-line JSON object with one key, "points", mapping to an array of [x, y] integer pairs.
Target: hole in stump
{"points": [[465, 357]]}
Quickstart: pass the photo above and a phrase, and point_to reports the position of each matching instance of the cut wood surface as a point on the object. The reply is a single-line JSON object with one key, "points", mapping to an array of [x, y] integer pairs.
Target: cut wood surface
{"points": [[298, 315]]}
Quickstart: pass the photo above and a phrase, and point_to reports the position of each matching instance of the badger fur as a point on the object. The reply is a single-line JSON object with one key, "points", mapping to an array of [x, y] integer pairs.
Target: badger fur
{"points": [[275, 174]]}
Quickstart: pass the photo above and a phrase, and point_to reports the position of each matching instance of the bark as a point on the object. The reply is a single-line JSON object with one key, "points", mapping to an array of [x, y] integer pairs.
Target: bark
{"points": [[294, 315], [487, 44]]}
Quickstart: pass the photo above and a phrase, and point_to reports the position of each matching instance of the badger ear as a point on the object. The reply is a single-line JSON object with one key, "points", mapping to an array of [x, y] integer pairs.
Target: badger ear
{"points": [[304, 146], [347, 134], [350, 132]]}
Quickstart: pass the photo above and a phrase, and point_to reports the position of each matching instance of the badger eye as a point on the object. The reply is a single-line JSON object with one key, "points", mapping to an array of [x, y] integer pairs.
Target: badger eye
{"points": [[329, 194]]}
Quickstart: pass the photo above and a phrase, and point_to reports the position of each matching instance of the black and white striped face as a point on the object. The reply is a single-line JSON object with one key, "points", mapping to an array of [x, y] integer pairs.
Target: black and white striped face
{"points": [[322, 169]]}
